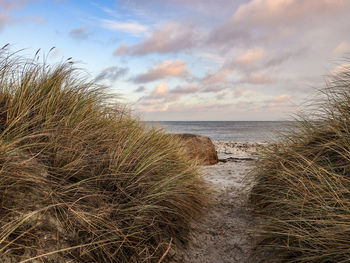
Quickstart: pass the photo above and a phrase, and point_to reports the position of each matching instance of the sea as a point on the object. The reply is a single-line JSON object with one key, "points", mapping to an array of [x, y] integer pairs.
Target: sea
{"points": [[235, 131]]}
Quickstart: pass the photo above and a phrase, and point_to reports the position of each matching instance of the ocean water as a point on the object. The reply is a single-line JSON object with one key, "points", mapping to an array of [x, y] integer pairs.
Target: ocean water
{"points": [[237, 131]]}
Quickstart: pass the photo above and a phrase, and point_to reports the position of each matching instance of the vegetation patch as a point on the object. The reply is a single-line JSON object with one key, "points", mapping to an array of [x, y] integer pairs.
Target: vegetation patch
{"points": [[80, 179], [302, 190]]}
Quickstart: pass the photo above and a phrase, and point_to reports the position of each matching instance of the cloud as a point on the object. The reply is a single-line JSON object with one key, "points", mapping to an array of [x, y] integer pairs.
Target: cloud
{"points": [[257, 79], [340, 69], [261, 42], [251, 57], [140, 89], [286, 11], [55, 52], [341, 48], [111, 73], [133, 28], [156, 101], [188, 89], [263, 21], [4, 20], [160, 91], [149, 105], [162, 98], [227, 34], [217, 77], [80, 33], [279, 101], [6, 6], [170, 38], [12, 4], [258, 59], [239, 92], [283, 56], [167, 68]]}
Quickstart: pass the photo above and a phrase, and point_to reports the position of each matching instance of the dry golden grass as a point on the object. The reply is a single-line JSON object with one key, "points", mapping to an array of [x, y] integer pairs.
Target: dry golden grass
{"points": [[80, 179], [302, 191]]}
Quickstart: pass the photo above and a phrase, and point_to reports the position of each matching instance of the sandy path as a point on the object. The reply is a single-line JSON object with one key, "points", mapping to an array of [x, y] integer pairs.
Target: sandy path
{"points": [[222, 234]]}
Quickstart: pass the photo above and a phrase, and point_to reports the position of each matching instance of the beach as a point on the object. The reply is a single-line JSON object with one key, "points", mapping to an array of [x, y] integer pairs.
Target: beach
{"points": [[223, 233]]}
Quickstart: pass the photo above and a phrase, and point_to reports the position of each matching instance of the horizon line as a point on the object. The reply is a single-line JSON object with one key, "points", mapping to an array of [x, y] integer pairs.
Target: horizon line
{"points": [[217, 120]]}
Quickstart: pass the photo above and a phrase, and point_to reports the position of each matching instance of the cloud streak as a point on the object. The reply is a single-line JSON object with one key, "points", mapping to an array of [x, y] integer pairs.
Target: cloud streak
{"points": [[81, 33], [187, 89], [111, 74], [257, 79], [130, 27]]}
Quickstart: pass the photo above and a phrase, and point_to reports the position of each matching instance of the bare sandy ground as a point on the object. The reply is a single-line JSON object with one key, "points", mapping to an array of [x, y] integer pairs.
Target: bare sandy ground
{"points": [[222, 235]]}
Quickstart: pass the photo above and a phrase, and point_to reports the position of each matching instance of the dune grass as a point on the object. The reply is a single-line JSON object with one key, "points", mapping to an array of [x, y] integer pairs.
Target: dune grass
{"points": [[80, 179], [302, 190]]}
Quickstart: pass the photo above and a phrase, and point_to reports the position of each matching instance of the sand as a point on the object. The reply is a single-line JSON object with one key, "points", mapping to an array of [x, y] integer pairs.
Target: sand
{"points": [[222, 235]]}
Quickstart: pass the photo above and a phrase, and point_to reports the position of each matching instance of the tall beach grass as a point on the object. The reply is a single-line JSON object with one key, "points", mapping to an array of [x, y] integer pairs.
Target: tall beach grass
{"points": [[302, 190], [80, 179]]}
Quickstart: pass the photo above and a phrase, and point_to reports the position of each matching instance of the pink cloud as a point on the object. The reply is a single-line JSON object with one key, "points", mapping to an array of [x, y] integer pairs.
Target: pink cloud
{"points": [[170, 38], [270, 11], [12, 4], [6, 6], [262, 21], [251, 56], [160, 91], [4, 20], [157, 101], [168, 68]]}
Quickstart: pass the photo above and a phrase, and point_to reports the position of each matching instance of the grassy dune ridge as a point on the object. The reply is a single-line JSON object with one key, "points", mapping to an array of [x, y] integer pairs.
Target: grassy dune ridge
{"points": [[82, 180], [302, 190]]}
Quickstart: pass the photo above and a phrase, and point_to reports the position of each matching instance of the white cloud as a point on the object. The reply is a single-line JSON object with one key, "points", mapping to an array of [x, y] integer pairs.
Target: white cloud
{"points": [[134, 28]]}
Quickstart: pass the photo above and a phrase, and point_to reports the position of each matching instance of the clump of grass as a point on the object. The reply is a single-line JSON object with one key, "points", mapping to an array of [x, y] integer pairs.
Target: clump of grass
{"points": [[302, 190], [80, 179]]}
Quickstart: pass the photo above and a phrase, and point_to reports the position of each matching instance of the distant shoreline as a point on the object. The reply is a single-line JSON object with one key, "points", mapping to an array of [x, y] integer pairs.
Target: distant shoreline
{"points": [[216, 121], [227, 131]]}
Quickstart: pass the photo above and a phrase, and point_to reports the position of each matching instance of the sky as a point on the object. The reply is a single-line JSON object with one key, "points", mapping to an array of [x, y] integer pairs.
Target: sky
{"points": [[195, 60]]}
